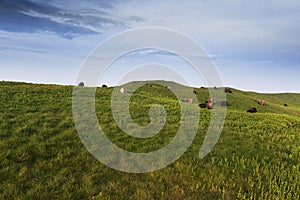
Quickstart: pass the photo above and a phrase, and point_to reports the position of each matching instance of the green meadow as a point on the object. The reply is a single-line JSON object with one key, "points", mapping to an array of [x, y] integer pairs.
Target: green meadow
{"points": [[42, 156]]}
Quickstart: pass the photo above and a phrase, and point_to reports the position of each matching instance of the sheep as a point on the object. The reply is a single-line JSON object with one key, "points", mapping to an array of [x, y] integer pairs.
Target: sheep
{"points": [[123, 90], [187, 100]]}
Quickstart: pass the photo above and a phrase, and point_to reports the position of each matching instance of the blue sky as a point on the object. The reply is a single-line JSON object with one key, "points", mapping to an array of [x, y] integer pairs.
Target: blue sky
{"points": [[255, 44]]}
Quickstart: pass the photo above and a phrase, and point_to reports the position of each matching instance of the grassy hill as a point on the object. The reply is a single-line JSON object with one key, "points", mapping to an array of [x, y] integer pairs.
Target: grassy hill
{"points": [[42, 156]]}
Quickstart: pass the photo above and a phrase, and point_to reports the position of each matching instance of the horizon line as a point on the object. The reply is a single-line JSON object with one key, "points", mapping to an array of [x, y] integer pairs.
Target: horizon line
{"points": [[192, 86]]}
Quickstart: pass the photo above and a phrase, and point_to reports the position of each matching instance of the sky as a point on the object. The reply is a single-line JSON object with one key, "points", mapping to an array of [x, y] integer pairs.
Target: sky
{"points": [[255, 44]]}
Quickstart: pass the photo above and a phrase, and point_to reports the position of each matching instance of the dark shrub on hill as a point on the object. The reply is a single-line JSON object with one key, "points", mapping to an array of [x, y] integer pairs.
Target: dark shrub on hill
{"points": [[202, 105], [252, 110], [227, 90], [224, 103]]}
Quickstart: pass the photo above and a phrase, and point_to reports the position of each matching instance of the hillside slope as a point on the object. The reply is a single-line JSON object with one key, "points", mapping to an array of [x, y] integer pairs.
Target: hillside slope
{"points": [[257, 155]]}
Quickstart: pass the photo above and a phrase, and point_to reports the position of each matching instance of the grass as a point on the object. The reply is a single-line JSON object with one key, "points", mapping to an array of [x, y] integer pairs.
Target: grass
{"points": [[42, 156]]}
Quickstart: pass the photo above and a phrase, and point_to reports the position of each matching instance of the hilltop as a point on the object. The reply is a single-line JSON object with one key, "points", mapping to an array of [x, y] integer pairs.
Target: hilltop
{"points": [[42, 156], [242, 100]]}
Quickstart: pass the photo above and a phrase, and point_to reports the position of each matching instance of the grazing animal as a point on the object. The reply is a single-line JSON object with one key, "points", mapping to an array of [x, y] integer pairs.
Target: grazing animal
{"points": [[252, 110], [210, 103], [187, 100], [202, 105], [224, 103], [81, 84], [211, 100], [227, 90], [168, 87], [285, 105], [262, 102], [123, 90], [194, 92], [104, 86], [148, 85]]}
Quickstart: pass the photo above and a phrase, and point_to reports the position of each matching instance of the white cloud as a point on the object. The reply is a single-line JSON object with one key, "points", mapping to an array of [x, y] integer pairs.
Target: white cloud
{"points": [[241, 36], [224, 22]]}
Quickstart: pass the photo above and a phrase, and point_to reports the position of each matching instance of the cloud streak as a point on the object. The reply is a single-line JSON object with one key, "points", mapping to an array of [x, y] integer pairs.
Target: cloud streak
{"points": [[242, 37], [250, 26], [64, 19]]}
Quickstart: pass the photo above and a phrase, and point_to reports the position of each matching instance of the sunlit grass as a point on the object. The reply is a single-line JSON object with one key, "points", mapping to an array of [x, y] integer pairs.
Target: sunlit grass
{"points": [[42, 156]]}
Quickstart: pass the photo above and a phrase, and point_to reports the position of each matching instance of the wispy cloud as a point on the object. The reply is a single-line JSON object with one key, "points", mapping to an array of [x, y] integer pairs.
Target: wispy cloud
{"points": [[231, 28], [67, 19], [242, 37]]}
